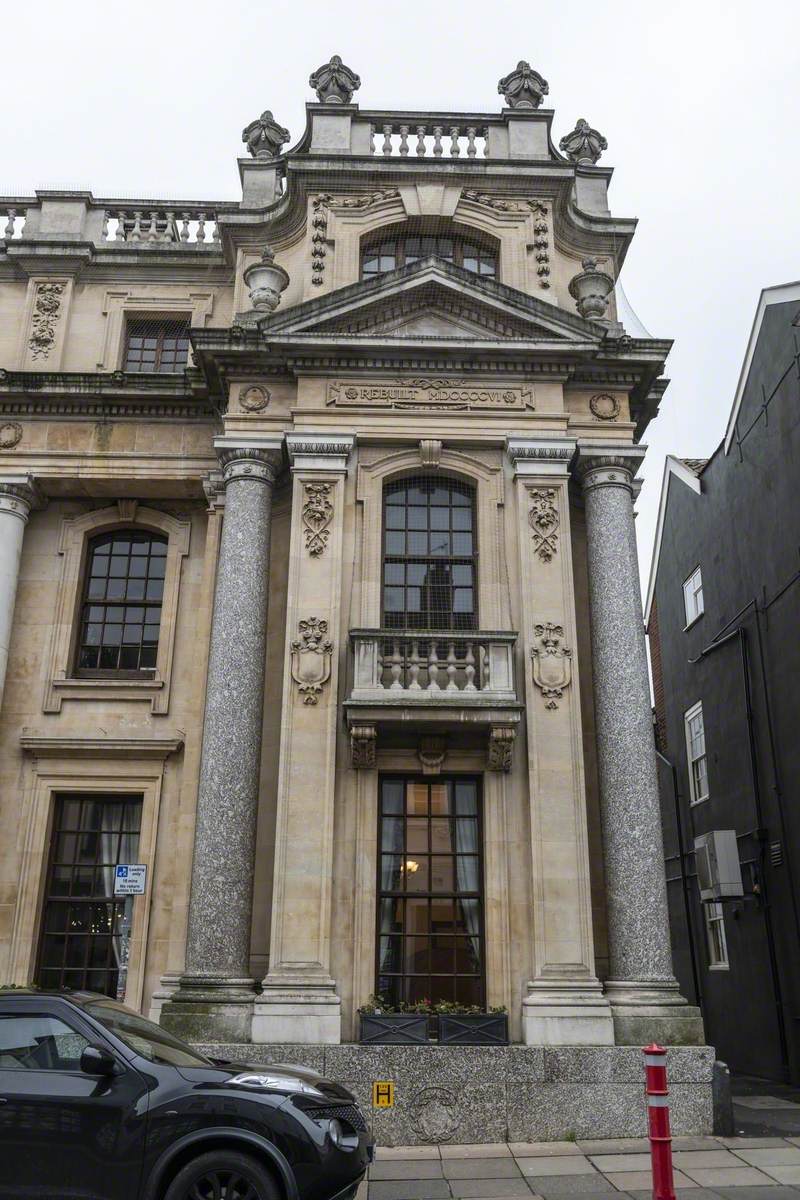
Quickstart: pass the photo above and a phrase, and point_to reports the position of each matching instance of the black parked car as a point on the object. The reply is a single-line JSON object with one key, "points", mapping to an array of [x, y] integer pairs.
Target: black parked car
{"points": [[96, 1103]]}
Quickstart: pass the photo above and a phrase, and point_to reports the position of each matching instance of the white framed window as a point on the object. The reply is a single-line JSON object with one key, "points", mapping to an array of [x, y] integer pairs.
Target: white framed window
{"points": [[693, 597], [696, 753], [715, 936]]}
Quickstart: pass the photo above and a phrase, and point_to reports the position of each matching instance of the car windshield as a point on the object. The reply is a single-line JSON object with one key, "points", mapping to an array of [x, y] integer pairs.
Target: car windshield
{"points": [[143, 1037]]}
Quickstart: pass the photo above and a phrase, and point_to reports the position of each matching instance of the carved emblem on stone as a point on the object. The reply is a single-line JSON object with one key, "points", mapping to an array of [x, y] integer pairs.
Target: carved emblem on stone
{"points": [[46, 311], [524, 87], [498, 203], [501, 748], [264, 136], [311, 658], [544, 520], [604, 407], [433, 1114], [584, 144], [10, 435], [317, 516], [255, 399], [334, 83], [432, 752], [552, 662], [363, 747], [430, 452]]}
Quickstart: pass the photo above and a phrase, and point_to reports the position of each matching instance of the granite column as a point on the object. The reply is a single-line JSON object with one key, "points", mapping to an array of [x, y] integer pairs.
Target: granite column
{"points": [[645, 1001], [215, 996]]}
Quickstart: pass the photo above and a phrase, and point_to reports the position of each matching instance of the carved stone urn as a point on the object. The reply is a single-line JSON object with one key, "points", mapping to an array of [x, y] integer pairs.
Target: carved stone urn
{"points": [[590, 289], [584, 144], [334, 83], [523, 88], [264, 136], [266, 280]]}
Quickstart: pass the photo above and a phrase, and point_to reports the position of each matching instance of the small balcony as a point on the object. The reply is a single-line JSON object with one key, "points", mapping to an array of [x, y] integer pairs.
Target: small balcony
{"points": [[425, 681]]}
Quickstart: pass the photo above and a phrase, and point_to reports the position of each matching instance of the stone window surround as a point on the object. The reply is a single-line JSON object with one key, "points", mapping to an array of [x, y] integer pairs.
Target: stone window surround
{"points": [[121, 303], [75, 534], [108, 766]]}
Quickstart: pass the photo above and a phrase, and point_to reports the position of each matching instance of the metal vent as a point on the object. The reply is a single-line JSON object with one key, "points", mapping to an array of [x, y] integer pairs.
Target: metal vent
{"points": [[776, 854]]}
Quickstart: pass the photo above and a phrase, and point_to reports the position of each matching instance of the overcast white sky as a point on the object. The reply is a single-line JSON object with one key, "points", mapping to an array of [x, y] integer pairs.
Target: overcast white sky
{"points": [[699, 101]]}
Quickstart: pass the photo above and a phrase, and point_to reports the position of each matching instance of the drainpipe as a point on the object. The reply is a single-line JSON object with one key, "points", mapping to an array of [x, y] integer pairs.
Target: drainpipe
{"points": [[684, 881]]}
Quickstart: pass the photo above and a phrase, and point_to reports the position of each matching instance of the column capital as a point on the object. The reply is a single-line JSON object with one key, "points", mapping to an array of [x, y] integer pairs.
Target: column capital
{"points": [[19, 494], [326, 452], [602, 464], [249, 457], [540, 456]]}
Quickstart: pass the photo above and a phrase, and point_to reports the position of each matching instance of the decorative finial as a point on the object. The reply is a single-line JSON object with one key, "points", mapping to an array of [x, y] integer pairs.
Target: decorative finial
{"points": [[264, 137], [591, 289], [523, 88], [584, 144], [334, 83], [266, 280]]}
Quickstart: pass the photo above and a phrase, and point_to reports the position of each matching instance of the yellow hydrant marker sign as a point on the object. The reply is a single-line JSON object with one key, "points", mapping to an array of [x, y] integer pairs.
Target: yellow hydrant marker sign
{"points": [[383, 1094]]}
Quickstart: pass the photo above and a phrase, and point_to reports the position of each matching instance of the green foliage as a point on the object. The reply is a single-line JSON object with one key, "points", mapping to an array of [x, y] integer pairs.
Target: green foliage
{"points": [[377, 1004]]}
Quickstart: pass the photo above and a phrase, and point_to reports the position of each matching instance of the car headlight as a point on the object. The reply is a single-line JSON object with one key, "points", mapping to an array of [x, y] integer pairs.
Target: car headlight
{"points": [[272, 1081], [336, 1133]]}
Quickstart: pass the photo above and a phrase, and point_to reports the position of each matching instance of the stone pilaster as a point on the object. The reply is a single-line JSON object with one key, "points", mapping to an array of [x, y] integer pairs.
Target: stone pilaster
{"points": [[564, 1004], [299, 1001], [215, 995], [643, 992], [18, 495]]}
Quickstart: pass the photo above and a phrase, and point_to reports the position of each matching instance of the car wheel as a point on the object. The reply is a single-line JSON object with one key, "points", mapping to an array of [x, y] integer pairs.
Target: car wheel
{"points": [[223, 1175]]}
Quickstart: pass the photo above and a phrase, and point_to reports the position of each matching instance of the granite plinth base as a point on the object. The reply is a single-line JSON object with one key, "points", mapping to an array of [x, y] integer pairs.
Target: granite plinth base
{"points": [[646, 1013], [517, 1093], [209, 1007]]}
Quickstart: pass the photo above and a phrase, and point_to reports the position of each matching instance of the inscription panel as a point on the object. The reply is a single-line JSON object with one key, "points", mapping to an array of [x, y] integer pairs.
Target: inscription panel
{"points": [[430, 394]]}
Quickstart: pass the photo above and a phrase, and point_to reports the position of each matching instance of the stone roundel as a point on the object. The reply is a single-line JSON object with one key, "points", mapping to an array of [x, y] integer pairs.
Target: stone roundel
{"points": [[433, 1114], [604, 406], [10, 435], [254, 399]]}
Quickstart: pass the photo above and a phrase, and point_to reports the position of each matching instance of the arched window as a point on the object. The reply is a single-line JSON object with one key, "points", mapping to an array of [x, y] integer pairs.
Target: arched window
{"points": [[429, 554], [384, 253], [122, 595]]}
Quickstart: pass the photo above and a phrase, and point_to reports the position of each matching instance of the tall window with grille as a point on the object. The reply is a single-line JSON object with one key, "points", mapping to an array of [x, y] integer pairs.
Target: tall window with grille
{"points": [[86, 929], [430, 555], [122, 597], [157, 345], [430, 942]]}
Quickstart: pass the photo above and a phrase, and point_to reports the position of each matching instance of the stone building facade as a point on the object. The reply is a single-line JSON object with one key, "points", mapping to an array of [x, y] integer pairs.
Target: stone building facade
{"points": [[320, 595]]}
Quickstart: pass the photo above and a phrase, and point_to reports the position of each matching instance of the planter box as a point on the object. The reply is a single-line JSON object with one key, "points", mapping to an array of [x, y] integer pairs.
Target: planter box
{"points": [[475, 1029], [394, 1029]]}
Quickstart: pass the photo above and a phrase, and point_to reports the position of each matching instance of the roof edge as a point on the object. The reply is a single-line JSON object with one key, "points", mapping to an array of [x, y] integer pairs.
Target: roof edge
{"points": [[672, 466], [779, 293]]}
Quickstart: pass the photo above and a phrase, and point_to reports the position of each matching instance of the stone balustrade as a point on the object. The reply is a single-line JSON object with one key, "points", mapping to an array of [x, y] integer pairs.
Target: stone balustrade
{"points": [[442, 136], [143, 223], [12, 219], [425, 666]]}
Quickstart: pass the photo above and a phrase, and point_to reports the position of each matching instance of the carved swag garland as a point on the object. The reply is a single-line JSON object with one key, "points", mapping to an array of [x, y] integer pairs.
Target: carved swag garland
{"points": [[544, 520], [317, 516], [46, 311]]}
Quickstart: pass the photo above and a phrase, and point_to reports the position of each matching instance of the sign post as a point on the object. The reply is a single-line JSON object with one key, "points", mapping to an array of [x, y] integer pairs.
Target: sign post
{"points": [[130, 879]]}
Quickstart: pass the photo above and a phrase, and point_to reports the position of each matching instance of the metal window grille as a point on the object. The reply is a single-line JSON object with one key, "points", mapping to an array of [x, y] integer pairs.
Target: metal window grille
{"points": [[85, 928], [123, 592], [429, 565], [157, 346], [430, 937], [387, 253]]}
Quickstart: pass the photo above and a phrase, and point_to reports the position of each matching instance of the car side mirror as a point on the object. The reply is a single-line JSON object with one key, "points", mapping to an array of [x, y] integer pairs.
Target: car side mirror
{"points": [[97, 1061]]}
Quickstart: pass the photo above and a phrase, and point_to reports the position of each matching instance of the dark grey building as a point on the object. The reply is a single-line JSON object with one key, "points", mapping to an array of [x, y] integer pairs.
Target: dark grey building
{"points": [[723, 619]]}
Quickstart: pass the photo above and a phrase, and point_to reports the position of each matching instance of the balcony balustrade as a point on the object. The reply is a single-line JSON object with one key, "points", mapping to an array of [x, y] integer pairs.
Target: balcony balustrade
{"points": [[427, 667], [12, 221], [401, 136], [180, 226]]}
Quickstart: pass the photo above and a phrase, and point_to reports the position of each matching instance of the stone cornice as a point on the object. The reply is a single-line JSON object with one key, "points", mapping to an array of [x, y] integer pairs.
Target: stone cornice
{"points": [[106, 395], [320, 452], [74, 746]]}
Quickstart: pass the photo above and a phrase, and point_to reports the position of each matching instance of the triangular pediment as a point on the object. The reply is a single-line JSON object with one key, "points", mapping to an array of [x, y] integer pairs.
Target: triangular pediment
{"points": [[432, 300]]}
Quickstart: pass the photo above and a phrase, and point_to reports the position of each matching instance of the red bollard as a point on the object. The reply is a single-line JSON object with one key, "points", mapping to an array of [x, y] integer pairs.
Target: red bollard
{"points": [[655, 1068]]}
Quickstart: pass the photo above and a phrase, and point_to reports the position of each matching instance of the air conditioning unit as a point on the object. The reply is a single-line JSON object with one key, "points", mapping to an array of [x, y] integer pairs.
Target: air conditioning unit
{"points": [[718, 871]]}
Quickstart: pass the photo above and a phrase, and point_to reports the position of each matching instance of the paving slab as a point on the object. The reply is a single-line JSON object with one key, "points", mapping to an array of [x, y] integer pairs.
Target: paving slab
{"points": [[485, 1150], [788, 1174], [406, 1168], [480, 1168], [420, 1152], [562, 1164], [705, 1158], [752, 1143], [773, 1192], [699, 1193], [409, 1189], [695, 1143], [714, 1177], [543, 1149], [613, 1145], [628, 1180], [554, 1187], [777, 1156], [620, 1162], [469, 1188]]}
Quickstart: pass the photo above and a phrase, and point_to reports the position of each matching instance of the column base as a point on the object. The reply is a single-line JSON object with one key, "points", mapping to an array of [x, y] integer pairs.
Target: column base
{"points": [[653, 1011], [167, 987], [300, 1015], [210, 1008], [564, 1013]]}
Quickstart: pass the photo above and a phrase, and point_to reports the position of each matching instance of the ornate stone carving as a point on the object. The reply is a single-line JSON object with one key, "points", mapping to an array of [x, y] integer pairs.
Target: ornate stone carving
{"points": [[317, 516], [552, 662], [430, 452], [544, 520], [249, 463], [334, 83], [432, 752], [127, 509], [311, 658], [433, 1114], [264, 136], [523, 87], [591, 289], [501, 748], [498, 203], [604, 406], [46, 311], [541, 241], [266, 280], [426, 394], [584, 144], [254, 399], [363, 747], [320, 207], [10, 435]]}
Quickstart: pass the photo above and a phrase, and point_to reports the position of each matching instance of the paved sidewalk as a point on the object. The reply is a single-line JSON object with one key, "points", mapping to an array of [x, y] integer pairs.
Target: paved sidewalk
{"points": [[743, 1168]]}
